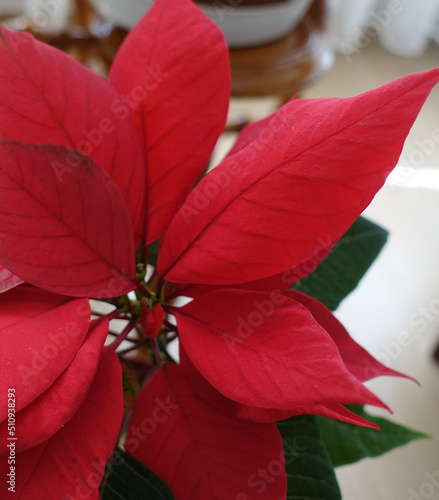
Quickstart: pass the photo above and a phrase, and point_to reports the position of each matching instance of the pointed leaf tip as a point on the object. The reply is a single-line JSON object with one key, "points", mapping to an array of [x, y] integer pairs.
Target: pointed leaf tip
{"points": [[173, 72], [358, 361], [213, 397], [347, 444], [232, 335], [47, 97], [296, 187]]}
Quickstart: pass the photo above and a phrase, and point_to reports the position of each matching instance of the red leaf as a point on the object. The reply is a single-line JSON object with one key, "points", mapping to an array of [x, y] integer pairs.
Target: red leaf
{"points": [[72, 237], [173, 73], [48, 97], [45, 415], [8, 280], [40, 335], [249, 134], [210, 395], [266, 353], [273, 284], [199, 452], [70, 464], [299, 186], [357, 360]]}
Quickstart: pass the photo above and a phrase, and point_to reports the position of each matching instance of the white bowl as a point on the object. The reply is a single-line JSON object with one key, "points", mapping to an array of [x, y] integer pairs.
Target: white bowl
{"points": [[243, 26], [257, 24]]}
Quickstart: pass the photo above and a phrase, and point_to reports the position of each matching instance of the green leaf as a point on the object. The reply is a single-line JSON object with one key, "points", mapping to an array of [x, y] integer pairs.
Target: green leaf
{"points": [[153, 253], [339, 273], [347, 443], [309, 469], [129, 479]]}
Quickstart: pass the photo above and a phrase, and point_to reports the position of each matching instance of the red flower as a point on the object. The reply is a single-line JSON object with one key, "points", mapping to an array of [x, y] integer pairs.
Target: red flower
{"points": [[92, 169]]}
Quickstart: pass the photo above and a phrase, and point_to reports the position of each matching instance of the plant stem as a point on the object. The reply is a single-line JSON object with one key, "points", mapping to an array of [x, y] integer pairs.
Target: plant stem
{"points": [[141, 287], [114, 334], [121, 337], [170, 326], [134, 347], [114, 314], [157, 352]]}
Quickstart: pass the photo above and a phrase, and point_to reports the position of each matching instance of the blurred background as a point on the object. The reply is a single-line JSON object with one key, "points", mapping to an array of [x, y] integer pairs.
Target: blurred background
{"points": [[314, 49]]}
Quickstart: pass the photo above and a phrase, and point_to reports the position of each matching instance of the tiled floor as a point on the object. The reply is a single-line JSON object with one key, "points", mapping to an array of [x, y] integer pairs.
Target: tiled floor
{"points": [[399, 298]]}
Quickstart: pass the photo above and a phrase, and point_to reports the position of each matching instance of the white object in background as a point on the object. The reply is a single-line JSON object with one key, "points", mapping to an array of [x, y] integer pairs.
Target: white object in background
{"points": [[409, 31], [346, 22], [123, 14], [248, 26], [425, 178], [11, 7], [243, 26], [48, 15]]}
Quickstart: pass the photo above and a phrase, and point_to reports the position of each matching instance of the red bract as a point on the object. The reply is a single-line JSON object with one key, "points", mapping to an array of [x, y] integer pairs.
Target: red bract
{"points": [[208, 393], [232, 335], [92, 169], [71, 463], [47, 413], [39, 341], [56, 240], [174, 76], [200, 452], [299, 184], [37, 106], [58, 388]]}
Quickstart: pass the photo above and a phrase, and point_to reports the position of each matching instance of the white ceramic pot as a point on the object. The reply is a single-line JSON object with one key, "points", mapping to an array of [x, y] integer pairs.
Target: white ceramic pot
{"points": [[243, 26]]}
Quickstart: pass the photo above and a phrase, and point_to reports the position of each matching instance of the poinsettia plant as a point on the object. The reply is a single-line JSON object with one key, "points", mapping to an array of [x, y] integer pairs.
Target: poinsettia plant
{"points": [[102, 197]]}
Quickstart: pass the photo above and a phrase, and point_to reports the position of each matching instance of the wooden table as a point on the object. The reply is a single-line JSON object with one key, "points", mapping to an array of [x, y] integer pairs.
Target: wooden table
{"points": [[283, 67]]}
